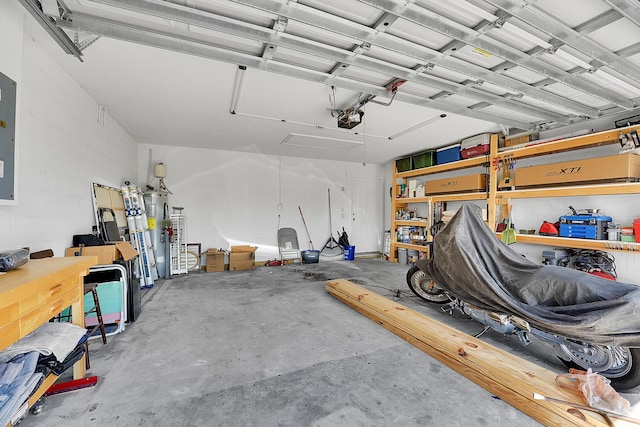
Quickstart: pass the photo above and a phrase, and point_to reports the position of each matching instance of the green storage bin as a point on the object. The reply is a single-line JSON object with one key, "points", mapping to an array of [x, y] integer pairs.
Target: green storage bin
{"points": [[424, 159], [404, 164]]}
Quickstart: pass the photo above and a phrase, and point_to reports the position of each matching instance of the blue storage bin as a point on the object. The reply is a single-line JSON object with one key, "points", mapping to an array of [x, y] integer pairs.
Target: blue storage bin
{"points": [[448, 154], [349, 253]]}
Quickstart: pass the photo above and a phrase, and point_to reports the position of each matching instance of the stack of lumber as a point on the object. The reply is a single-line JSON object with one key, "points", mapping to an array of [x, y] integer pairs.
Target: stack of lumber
{"points": [[505, 375]]}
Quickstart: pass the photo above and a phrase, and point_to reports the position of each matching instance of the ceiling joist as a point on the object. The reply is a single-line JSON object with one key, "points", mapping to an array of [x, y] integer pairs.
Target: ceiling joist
{"points": [[562, 76]]}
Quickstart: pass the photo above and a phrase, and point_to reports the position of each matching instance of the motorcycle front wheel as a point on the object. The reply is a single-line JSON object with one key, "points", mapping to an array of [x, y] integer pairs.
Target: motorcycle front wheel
{"points": [[425, 287], [620, 365]]}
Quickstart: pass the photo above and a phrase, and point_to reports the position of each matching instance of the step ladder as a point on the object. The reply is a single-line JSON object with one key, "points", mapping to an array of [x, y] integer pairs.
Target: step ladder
{"points": [[139, 234]]}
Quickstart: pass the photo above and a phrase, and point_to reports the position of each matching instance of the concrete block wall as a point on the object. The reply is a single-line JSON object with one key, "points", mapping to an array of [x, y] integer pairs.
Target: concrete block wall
{"points": [[61, 147]]}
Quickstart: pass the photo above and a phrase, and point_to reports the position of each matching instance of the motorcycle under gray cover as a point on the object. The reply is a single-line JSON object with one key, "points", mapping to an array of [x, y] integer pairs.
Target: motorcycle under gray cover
{"points": [[478, 268]]}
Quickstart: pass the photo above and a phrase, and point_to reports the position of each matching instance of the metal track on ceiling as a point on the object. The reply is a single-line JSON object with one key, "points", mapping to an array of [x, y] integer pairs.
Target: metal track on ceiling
{"points": [[527, 88]]}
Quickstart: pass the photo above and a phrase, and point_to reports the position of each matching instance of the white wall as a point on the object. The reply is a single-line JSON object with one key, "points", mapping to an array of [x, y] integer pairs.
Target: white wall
{"points": [[238, 198], [61, 147]]}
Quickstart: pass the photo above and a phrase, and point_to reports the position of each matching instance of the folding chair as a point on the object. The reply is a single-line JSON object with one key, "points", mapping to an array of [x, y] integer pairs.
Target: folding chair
{"points": [[288, 245]]}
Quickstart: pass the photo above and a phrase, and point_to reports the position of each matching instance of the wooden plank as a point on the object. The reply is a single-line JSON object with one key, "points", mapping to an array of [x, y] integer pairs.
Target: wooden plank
{"points": [[406, 200], [570, 242], [419, 248], [48, 382], [573, 190], [481, 195], [413, 223], [493, 184], [512, 379]]}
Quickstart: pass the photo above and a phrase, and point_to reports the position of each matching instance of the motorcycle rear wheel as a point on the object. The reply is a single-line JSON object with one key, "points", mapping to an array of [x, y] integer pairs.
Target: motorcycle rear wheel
{"points": [[620, 365], [425, 287]]}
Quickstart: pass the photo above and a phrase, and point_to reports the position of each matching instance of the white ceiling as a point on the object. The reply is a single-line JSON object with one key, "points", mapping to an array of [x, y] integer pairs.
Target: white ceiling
{"points": [[166, 70]]}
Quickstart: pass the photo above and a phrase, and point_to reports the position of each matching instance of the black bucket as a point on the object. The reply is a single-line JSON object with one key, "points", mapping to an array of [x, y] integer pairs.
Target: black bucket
{"points": [[310, 257]]}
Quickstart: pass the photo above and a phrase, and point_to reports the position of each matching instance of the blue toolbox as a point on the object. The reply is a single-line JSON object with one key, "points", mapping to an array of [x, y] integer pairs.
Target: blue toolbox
{"points": [[589, 226]]}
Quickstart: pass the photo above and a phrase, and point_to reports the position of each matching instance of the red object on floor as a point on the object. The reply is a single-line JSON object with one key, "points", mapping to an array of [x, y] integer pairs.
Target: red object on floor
{"points": [[71, 385], [602, 274]]}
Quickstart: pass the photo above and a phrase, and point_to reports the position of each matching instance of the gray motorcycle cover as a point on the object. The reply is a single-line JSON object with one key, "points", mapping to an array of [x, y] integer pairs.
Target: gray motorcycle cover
{"points": [[470, 262]]}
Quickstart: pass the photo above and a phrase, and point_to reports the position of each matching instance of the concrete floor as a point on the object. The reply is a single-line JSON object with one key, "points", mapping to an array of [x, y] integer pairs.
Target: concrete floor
{"points": [[270, 347]]}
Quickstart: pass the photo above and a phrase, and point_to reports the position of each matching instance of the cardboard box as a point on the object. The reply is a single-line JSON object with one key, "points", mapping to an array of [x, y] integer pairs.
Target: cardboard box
{"points": [[621, 167], [459, 184], [517, 140], [242, 258], [107, 253], [215, 261]]}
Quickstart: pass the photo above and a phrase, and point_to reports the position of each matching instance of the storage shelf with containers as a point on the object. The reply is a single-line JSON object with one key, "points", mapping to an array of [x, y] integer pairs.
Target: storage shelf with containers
{"points": [[602, 175], [424, 183], [541, 180]]}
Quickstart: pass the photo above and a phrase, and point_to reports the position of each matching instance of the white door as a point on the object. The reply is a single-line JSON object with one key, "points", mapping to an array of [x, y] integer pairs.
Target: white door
{"points": [[367, 209]]}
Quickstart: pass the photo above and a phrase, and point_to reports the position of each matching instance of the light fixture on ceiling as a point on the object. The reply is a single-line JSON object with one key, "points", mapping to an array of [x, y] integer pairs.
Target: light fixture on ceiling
{"points": [[237, 87], [320, 142], [417, 126]]}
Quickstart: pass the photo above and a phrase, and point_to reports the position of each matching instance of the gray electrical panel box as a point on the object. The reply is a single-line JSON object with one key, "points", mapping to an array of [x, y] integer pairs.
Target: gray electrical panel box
{"points": [[7, 137]]}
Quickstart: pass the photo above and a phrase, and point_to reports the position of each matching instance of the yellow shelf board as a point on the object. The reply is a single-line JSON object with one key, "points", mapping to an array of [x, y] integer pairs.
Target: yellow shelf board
{"points": [[411, 246], [445, 167], [419, 223], [575, 143], [407, 200], [576, 190], [458, 197], [568, 242]]}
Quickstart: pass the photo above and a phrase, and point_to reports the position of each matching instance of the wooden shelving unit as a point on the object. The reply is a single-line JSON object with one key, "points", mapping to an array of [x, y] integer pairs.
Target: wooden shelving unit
{"points": [[498, 199], [562, 145], [430, 199]]}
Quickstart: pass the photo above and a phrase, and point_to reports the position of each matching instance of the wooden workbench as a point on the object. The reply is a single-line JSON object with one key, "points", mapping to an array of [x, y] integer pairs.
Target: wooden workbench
{"points": [[34, 293]]}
